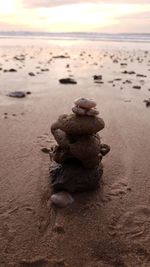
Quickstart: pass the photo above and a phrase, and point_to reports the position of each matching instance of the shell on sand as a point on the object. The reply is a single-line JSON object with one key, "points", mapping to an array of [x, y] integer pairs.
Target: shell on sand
{"points": [[62, 199]]}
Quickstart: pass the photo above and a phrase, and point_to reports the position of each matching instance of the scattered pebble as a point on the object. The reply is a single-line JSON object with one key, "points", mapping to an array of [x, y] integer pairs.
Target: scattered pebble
{"points": [[141, 75], [67, 81], [18, 94], [128, 72], [136, 87], [147, 102], [31, 74], [44, 69], [12, 70], [97, 77]]}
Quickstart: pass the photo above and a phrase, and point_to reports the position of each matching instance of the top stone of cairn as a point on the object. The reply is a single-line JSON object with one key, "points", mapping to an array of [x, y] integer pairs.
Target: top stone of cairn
{"points": [[85, 103]]}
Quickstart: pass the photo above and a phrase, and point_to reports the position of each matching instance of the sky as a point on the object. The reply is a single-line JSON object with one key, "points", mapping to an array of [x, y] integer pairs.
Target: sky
{"points": [[75, 16]]}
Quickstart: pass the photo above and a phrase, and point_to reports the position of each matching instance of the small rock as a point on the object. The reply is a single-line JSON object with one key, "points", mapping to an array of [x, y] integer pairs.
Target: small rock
{"points": [[62, 56], [28, 93], [62, 199], [117, 79], [147, 101], [115, 61], [67, 81], [18, 94], [97, 77], [12, 70], [128, 72], [44, 69], [136, 87], [31, 74], [141, 75], [85, 103]]}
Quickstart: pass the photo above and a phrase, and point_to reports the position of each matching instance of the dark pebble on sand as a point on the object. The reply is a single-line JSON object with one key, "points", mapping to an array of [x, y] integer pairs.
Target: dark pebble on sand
{"points": [[117, 79], [12, 70], [128, 72], [44, 70], [67, 81], [136, 87], [141, 75], [147, 102], [31, 74], [97, 77], [28, 93], [18, 94]]}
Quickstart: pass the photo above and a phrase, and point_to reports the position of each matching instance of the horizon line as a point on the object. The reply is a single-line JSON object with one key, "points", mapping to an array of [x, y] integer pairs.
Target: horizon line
{"points": [[70, 32]]}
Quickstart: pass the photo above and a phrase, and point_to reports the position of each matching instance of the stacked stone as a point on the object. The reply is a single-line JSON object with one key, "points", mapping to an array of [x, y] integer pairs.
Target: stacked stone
{"points": [[79, 151]]}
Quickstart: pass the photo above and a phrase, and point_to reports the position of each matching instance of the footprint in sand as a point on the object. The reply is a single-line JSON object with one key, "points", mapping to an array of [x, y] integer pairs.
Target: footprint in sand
{"points": [[134, 224], [117, 189]]}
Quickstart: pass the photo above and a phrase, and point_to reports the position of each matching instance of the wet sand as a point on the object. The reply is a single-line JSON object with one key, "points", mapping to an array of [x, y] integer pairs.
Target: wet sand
{"points": [[107, 228]]}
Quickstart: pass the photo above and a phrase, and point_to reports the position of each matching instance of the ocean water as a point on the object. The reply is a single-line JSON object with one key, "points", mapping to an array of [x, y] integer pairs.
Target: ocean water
{"points": [[90, 36]]}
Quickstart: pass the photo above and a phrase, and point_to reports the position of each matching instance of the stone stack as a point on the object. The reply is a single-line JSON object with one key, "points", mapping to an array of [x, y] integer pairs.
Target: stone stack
{"points": [[79, 151]]}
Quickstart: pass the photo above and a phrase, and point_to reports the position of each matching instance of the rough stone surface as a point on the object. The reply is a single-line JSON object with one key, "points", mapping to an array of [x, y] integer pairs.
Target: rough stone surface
{"points": [[85, 148], [78, 125], [92, 112], [78, 111], [82, 111], [73, 177], [62, 199]]}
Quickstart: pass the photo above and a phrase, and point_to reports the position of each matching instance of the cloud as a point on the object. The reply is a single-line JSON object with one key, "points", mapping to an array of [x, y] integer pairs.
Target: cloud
{"points": [[53, 3]]}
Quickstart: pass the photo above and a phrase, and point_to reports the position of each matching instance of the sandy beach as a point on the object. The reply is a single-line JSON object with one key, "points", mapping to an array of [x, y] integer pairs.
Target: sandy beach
{"points": [[106, 228]]}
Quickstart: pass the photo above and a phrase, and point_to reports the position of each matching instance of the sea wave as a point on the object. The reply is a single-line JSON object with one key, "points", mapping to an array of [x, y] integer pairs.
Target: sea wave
{"points": [[90, 36]]}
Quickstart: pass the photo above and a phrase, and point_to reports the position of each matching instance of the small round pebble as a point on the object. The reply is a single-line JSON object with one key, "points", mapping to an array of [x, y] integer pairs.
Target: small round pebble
{"points": [[79, 111], [85, 103], [62, 199]]}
